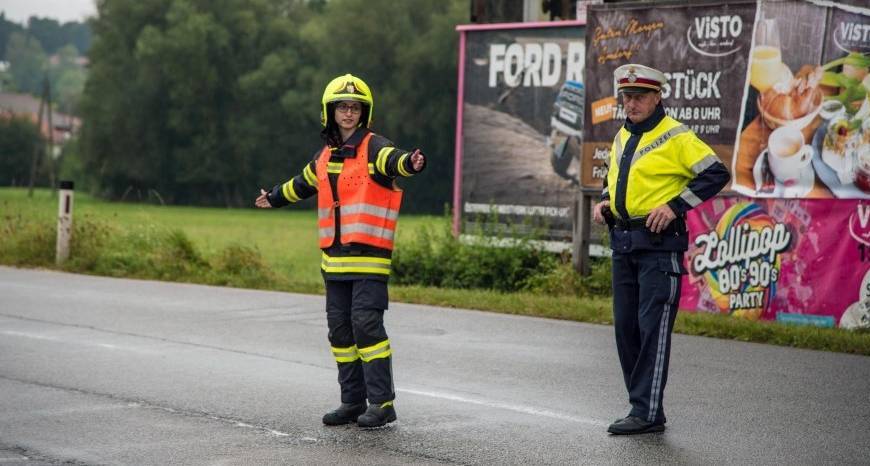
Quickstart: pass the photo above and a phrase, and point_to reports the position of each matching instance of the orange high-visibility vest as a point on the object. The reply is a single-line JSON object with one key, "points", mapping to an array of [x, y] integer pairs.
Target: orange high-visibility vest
{"points": [[368, 210]]}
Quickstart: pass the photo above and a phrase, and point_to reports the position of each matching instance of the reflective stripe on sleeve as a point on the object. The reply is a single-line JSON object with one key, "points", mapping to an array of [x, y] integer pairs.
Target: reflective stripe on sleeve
{"points": [[381, 161], [402, 170], [705, 163], [288, 192], [310, 177], [691, 198]]}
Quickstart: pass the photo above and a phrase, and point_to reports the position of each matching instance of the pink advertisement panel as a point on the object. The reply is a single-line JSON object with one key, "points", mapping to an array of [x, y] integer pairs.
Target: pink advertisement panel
{"points": [[798, 261]]}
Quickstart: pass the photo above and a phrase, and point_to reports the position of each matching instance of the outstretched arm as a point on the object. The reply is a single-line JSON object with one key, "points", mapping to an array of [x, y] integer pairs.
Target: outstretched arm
{"points": [[300, 187]]}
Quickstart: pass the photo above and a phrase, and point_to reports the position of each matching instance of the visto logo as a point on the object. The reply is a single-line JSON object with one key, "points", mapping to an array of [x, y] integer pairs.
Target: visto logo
{"points": [[715, 36]]}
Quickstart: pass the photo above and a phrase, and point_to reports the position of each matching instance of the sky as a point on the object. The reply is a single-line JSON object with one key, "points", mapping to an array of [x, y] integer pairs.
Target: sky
{"points": [[61, 10]]}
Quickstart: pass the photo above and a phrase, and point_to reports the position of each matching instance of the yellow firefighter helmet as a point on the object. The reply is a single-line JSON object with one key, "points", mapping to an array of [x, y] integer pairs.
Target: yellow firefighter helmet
{"points": [[348, 87]]}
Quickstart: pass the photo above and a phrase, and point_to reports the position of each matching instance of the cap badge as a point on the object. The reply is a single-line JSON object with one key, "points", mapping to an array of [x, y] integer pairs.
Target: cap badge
{"points": [[632, 77]]}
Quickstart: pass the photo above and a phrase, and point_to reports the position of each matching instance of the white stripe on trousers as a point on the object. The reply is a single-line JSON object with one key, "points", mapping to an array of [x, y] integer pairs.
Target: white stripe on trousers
{"points": [[664, 334]]}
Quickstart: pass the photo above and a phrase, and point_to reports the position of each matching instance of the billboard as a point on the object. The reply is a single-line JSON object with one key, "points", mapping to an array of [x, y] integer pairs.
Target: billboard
{"points": [[779, 89], [519, 128], [795, 261], [704, 53], [805, 126]]}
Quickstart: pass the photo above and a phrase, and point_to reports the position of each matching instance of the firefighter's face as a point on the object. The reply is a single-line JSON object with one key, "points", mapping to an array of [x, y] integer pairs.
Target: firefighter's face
{"points": [[639, 107], [347, 114]]}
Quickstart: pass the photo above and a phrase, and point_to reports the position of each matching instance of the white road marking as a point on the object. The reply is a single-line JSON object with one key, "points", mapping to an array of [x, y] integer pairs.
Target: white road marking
{"points": [[42, 336], [508, 406]]}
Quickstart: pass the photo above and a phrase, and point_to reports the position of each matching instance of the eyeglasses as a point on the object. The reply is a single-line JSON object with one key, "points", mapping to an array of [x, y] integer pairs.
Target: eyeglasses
{"points": [[353, 109]]}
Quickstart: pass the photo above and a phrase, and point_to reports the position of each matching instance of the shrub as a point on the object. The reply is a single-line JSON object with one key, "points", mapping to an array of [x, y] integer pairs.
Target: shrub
{"points": [[563, 280], [437, 258], [26, 242]]}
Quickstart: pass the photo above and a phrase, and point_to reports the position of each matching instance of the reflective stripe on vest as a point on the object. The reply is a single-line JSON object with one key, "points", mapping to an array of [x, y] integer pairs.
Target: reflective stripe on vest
{"points": [[355, 264], [368, 211]]}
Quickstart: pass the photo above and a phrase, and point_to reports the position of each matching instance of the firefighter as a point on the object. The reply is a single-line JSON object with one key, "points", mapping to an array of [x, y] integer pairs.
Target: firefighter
{"points": [[658, 170], [358, 206]]}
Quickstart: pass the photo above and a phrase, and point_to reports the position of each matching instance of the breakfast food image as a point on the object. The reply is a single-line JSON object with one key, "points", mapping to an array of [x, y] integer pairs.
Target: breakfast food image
{"points": [[792, 101], [841, 137]]}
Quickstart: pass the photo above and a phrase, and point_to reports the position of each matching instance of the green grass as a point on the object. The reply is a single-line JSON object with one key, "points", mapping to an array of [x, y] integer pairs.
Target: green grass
{"points": [[277, 249], [285, 238]]}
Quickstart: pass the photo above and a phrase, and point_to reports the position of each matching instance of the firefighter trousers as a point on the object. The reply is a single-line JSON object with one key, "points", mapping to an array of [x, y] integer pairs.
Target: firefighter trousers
{"points": [[355, 316], [646, 293]]}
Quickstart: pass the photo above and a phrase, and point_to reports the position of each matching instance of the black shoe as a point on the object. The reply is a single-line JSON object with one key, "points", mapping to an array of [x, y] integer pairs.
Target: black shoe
{"points": [[634, 425], [377, 415], [344, 414]]}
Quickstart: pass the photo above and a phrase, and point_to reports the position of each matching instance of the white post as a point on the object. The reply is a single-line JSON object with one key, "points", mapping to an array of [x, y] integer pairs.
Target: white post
{"points": [[64, 220]]}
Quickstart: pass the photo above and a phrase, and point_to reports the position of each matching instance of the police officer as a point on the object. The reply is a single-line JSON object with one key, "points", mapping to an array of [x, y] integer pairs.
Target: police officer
{"points": [[658, 170], [358, 206]]}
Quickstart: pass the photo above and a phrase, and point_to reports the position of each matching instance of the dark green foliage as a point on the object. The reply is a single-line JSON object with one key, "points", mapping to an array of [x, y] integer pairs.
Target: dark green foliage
{"points": [[19, 138], [53, 35], [205, 101], [436, 262], [6, 29], [437, 258], [27, 63], [563, 280]]}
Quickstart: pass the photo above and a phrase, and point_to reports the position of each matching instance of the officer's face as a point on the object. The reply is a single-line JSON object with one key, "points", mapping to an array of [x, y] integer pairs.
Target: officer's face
{"points": [[639, 107], [347, 114]]}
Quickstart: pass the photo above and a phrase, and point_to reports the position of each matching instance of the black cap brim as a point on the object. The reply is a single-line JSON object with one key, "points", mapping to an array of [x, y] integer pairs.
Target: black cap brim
{"points": [[636, 90]]}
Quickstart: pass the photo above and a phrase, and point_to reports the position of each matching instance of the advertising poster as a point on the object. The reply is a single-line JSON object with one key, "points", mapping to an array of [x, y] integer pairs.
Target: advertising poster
{"points": [[703, 51], [522, 100], [805, 128], [794, 261]]}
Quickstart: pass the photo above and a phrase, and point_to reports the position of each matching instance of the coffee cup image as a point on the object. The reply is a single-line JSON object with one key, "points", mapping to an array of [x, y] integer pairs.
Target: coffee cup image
{"points": [[788, 155], [832, 109]]}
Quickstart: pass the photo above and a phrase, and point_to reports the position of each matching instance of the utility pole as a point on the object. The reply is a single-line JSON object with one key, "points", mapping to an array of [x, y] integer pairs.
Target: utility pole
{"points": [[34, 161], [52, 166]]}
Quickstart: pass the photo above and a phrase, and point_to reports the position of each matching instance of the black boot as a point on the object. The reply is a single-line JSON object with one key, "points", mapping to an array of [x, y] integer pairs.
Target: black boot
{"points": [[378, 415], [631, 425], [345, 414]]}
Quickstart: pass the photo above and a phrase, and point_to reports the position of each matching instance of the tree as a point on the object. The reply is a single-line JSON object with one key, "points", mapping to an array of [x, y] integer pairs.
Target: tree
{"points": [[19, 138], [6, 29], [206, 101], [27, 63], [67, 79], [411, 67], [53, 35], [167, 85]]}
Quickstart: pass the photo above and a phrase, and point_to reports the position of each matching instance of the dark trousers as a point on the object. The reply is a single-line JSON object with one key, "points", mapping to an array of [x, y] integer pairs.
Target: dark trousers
{"points": [[646, 293], [355, 316]]}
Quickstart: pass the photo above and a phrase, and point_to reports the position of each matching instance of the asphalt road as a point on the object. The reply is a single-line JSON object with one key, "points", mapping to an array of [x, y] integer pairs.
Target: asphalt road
{"points": [[111, 371]]}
